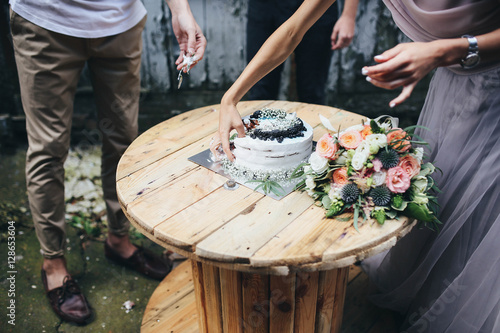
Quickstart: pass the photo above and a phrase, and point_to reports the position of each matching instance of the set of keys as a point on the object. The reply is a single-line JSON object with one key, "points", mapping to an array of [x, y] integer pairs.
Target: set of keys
{"points": [[187, 62]]}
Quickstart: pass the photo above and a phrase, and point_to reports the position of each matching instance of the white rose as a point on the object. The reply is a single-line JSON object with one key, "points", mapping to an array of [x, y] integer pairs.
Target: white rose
{"points": [[307, 169], [310, 184], [378, 139], [342, 159], [420, 199], [363, 148], [419, 154], [379, 178], [318, 163], [419, 184], [358, 160]]}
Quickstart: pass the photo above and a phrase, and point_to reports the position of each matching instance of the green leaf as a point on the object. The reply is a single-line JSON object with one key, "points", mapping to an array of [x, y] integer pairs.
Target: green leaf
{"points": [[391, 214], [299, 171], [419, 212], [375, 127], [355, 217]]}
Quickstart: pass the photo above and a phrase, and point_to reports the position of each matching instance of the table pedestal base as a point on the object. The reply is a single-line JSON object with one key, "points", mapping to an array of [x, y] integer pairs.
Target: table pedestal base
{"points": [[232, 301]]}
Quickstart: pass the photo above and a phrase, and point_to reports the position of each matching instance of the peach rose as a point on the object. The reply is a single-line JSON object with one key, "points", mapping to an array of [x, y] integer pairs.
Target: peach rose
{"points": [[397, 180], [367, 130], [397, 140], [350, 139], [327, 147], [410, 165], [340, 176]]}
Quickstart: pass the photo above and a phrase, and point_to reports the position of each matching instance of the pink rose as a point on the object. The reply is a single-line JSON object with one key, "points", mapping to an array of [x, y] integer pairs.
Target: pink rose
{"points": [[397, 180], [350, 139], [410, 165], [327, 147]]}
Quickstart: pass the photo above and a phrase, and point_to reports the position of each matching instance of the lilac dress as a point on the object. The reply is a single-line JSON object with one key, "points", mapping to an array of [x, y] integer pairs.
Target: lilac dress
{"points": [[449, 281]]}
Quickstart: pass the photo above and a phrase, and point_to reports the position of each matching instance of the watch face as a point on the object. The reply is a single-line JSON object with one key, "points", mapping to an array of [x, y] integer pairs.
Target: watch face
{"points": [[471, 60]]}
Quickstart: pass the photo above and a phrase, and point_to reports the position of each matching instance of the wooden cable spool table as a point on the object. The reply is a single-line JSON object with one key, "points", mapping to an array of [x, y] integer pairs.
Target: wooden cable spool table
{"points": [[258, 264]]}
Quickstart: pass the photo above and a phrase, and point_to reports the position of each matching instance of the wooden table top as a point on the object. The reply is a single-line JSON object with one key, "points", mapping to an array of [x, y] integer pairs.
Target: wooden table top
{"points": [[185, 207]]}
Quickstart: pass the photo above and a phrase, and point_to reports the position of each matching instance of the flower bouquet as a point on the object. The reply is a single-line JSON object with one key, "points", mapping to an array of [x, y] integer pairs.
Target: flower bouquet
{"points": [[373, 170]]}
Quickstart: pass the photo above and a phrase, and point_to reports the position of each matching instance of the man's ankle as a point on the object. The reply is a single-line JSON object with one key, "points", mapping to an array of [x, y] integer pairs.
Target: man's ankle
{"points": [[55, 271], [121, 244]]}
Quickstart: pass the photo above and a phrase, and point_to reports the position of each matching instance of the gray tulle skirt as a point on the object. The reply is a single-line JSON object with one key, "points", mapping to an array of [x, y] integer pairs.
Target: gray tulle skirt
{"points": [[449, 281]]}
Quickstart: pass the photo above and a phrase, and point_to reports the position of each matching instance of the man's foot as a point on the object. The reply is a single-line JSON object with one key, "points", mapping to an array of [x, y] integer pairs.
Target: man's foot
{"points": [[64, 295], [140, 260]]}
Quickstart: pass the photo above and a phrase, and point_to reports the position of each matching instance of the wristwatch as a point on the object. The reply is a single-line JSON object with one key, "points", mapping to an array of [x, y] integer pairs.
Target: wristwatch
{"points": [[472, 59]]}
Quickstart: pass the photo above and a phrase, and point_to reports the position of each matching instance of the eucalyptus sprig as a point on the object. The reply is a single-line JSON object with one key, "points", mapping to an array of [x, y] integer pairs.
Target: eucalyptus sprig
{"points": [[268, 186]]}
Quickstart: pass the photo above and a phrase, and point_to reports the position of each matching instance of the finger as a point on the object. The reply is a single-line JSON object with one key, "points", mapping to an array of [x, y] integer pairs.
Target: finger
{"points": [[390, 69], [241, 130], [343, 41], [389, 54], [333, 37], [201, 45], [191, 44], [403, 96], [226, 147], [179, 60], [387, 85]]}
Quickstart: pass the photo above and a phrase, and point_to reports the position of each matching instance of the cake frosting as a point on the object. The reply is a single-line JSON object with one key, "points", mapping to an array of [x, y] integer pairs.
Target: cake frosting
{"points": [[276, 143]]}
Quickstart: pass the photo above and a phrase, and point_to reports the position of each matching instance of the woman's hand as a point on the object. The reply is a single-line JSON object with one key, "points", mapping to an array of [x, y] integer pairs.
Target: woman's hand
{"points": [[229, 119], [403, 66]]}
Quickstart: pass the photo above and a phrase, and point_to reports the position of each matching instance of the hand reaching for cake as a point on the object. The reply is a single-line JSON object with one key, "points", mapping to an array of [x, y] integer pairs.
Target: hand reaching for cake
{"points": [[229, 119]]}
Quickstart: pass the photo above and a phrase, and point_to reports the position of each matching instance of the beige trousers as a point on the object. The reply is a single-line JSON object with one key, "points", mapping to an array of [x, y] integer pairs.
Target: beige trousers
{"points": [[49, 66]]}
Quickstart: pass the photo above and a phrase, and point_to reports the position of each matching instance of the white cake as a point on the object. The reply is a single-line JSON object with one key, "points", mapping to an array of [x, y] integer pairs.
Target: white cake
{"points": [[276, 142]]}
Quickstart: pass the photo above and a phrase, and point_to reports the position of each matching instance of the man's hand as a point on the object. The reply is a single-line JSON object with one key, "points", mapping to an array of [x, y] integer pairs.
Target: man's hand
{"points": [[343, 32], [191, 40]]}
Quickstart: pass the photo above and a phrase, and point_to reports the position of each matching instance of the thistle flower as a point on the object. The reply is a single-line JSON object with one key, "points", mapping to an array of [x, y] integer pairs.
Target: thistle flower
{"points": [[381, 196], [349, 193], [389, 158]]}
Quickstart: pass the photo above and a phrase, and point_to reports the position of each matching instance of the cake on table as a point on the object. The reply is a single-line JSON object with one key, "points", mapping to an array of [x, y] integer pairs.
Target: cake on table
{"points": [[276, 143]]}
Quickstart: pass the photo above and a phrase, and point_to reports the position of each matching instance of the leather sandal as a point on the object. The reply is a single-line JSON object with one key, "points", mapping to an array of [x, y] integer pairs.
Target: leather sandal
{"points": [[142, 261], [67, 301]]}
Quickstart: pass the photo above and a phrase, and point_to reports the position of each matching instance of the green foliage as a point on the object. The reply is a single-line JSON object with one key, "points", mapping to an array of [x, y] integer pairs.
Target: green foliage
{"points": [[89, 225], [379, 215], [269, 186]]}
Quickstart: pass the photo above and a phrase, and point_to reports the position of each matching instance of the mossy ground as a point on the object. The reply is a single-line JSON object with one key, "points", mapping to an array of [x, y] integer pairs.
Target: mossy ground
{"points": [[106, 285]]}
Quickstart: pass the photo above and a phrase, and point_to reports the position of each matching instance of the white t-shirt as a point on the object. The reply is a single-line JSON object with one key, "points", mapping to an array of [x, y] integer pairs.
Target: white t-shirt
{"points": [[82, 18]]}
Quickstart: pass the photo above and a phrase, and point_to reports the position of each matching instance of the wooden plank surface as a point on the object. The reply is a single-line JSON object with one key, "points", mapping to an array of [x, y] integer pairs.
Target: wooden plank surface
{"points": [[232, 301], [241, 237], [198, 291], [282, 305], [305, 301], [206, 216], [213, 303], [255, 291], [326, 298]]}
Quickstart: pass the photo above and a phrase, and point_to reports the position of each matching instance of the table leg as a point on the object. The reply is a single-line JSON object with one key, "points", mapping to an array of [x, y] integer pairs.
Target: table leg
{"points": [[234, 302]]}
